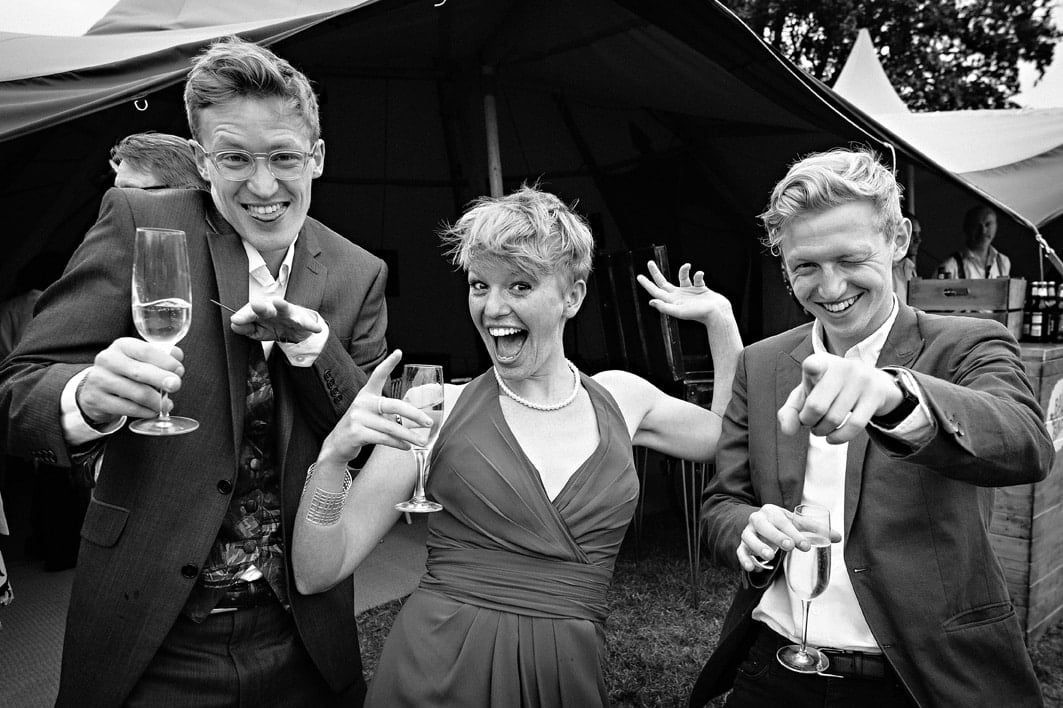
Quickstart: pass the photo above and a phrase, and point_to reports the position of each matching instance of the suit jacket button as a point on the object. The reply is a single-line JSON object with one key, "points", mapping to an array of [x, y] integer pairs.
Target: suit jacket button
{"points": [[190, 571], [225, 486]]}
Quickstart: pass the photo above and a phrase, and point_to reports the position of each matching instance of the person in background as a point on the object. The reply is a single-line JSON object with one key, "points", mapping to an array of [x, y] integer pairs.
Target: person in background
{"points": [[978, 258], [901, 424], [904, 269], [55, 497], [155, 161], [183, 593], [533, 466]]}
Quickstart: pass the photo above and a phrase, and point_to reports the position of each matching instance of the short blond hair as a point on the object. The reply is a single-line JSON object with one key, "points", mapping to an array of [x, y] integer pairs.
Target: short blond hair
{"points": [[829, 179], [529, 229], [231, 69]]}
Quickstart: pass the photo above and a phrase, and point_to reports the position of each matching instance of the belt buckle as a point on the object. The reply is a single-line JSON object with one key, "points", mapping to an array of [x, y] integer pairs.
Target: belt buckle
{"points": [[856, 661]]}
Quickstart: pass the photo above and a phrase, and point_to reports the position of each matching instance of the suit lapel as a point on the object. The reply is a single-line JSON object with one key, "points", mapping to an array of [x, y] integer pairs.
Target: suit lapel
{"points": [[792, 449], [901, 348], [230, 261], [306, 287], [306, 283]]}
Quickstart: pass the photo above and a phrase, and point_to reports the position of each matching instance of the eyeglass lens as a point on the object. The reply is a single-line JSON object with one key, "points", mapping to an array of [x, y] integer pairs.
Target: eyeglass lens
{"points": [[239, 164]]}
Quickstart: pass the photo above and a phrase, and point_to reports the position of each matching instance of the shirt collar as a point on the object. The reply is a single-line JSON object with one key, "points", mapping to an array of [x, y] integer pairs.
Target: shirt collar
{"points": [[257, 268], [867, 350]]}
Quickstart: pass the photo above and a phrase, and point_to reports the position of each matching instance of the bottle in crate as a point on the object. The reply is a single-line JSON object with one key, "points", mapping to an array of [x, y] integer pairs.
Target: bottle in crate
{"points": [[1035, 307]]}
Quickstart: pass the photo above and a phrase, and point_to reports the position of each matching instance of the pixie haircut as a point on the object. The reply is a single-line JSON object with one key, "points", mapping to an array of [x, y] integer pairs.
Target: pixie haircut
{"points": [[530, 230], [830, 179], [168, 157], [231, 69]]}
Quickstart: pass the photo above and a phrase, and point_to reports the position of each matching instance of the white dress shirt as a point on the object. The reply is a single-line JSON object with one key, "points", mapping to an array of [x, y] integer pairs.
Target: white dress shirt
{"points": [[835, 618]]}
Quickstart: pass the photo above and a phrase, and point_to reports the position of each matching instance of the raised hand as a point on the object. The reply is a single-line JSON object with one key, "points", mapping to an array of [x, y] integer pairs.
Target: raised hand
{"points": [[275, 319], [690, 300], [125, 379], [374, 419], [837, 397]]}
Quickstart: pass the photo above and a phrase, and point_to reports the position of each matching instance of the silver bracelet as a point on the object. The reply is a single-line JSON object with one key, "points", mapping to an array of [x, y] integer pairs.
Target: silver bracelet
{"points": [[326, 507]]}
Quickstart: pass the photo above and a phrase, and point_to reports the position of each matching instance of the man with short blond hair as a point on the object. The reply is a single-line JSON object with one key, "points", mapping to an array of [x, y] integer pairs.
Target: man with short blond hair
{"points": [[901, 424]]}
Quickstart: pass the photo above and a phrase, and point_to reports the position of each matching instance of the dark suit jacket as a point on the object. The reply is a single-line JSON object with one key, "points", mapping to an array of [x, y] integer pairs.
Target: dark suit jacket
{"points": [[916, 522], [159, 502]]}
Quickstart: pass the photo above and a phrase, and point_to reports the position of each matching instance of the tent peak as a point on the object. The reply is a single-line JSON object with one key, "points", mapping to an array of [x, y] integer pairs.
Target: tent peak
{"points": [[863, 82]]}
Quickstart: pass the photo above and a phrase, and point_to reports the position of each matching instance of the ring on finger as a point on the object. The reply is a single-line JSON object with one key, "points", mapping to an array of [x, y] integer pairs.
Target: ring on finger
{"points": [[763, 565], [844, 421]]}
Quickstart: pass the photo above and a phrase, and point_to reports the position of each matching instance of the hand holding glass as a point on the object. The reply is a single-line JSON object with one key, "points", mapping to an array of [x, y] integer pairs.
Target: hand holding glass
{"points": [[422, 386], [162, 308], [807, 575]]}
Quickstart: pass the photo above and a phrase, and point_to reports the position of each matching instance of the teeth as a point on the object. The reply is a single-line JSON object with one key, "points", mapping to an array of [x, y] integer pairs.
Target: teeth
{"points": [[263, 209], [503, 331], [840, 306]]}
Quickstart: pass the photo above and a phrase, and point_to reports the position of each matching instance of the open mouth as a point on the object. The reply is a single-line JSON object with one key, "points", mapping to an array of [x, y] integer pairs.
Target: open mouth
{"points": [[266, 212], [840, 306], [509, 341]]}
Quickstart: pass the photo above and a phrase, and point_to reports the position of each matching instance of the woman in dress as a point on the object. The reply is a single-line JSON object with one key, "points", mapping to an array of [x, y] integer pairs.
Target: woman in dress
{"points": [[533, 467]]}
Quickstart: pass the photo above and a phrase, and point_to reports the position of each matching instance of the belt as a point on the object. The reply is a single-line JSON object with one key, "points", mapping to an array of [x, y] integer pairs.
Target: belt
{"points": [[856, 664], [243, 594], [843, 663]]}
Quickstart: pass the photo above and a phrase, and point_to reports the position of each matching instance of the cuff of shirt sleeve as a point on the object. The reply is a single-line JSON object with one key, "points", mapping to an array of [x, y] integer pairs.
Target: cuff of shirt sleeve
{"points": [[76, 430], [918, 427], [306, 352]]}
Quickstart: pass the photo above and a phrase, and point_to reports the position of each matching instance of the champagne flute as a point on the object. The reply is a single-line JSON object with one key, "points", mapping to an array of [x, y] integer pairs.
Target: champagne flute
{"points": [[807, 575], [162, 308], [422, 385]]}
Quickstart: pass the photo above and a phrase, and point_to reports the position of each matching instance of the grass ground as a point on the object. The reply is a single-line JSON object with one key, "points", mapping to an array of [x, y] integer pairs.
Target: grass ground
{"points": [[657, 642]]}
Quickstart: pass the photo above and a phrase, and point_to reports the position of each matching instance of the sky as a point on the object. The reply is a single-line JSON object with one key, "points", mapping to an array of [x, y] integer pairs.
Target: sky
{"points": [[74, 17]]}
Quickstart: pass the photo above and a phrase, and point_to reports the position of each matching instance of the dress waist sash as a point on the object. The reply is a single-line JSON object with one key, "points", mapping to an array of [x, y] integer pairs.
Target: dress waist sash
{"points": [[509, 582]]}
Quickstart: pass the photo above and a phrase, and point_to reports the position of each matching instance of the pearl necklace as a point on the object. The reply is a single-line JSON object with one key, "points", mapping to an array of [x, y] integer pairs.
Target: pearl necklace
{"points": [[542, 406]]}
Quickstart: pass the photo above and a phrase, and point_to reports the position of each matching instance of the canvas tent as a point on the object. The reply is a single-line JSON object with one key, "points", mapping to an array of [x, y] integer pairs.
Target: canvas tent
{"points": [[1015, 156], [669, 122]]}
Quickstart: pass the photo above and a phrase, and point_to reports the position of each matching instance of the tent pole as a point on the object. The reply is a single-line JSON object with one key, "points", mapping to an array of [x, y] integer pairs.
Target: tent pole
{"points": [[494, 155], [909, 192]]}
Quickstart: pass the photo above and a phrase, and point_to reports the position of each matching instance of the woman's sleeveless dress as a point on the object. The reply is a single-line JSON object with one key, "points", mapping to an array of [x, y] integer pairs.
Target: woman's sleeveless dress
{"points": [[511, 609]]}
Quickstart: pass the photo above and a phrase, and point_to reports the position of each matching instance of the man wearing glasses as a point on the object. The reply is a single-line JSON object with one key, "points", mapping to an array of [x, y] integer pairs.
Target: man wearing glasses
{"points": [[183, 594]]}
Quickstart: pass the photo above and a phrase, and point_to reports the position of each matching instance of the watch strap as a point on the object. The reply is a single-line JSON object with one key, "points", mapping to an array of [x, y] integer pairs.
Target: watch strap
{"points": [[908, 404]]}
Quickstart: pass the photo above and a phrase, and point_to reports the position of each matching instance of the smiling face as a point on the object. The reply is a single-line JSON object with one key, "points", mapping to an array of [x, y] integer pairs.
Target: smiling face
{"points": [[521, 318], [840, 266], [268, 213]]}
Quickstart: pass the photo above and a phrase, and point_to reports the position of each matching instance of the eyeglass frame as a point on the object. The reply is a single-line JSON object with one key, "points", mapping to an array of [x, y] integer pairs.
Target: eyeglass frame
{"points": [[308, 155]]}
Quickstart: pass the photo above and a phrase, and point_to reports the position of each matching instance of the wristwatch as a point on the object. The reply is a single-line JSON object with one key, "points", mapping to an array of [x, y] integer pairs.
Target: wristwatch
{"points": [[909, 400]]}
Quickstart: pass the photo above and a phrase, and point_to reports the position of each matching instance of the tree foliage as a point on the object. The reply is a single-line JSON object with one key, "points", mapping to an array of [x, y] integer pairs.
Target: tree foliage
{"points": [[939, 54]]}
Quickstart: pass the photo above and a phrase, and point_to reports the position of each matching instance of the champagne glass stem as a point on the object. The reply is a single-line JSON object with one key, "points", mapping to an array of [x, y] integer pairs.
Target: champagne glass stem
{"points": [[164, 415], [804, 629], [422, 472]]}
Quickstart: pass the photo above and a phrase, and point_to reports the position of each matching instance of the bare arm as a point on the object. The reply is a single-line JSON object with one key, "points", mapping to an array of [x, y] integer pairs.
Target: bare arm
{"points": [[692, 300], [323, 555], [665, 423], [661, 422]]}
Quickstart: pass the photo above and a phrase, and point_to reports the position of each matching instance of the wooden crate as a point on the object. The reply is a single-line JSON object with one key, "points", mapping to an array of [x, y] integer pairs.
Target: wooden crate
{"points": [[1027, 526], [1000, 299]]}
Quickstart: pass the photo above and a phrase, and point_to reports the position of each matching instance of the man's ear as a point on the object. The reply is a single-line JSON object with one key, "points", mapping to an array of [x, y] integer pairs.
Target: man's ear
{"points": [[201, 160], [901, 239], [319, 158]]}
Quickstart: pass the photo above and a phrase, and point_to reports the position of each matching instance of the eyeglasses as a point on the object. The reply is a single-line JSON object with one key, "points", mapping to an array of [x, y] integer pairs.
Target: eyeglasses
{"points": [[239, 165]]}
